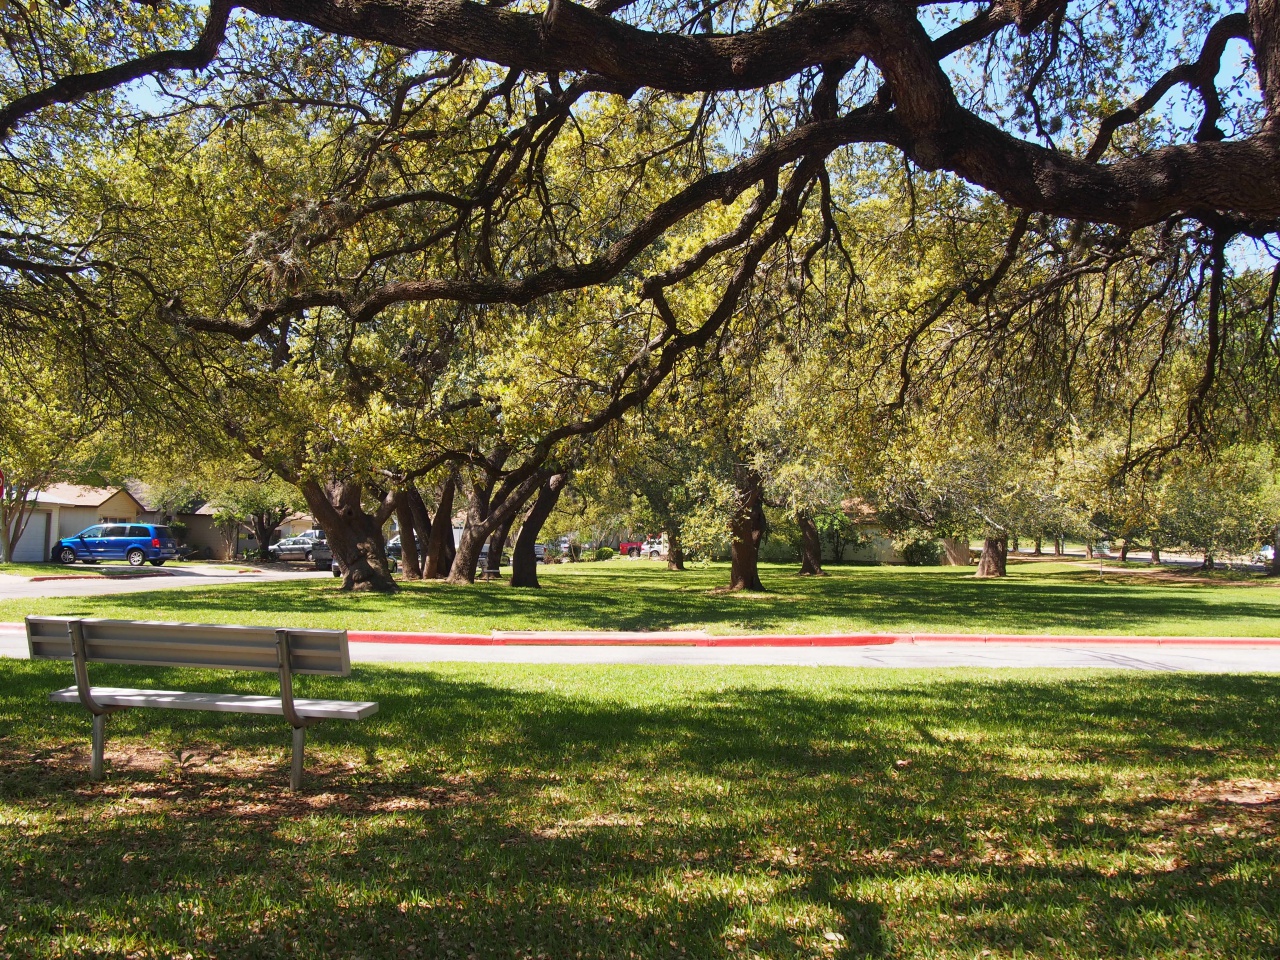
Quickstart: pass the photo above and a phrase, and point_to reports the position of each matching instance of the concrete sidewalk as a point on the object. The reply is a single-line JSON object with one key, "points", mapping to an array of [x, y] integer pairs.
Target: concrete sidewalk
{"points": [[1232, 655]]}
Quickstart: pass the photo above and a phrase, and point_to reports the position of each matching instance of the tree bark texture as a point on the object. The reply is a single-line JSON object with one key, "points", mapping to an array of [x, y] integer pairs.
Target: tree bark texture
{"points": [[420, 516], [675, 546], [956, 552], [1124, 550], [1275, 558], [353, 535], [995, 552], [524, 559], [408, 538], [746, 531], [810, 545], [485, 512], [264, 528], [497, 543], [440, 547]]}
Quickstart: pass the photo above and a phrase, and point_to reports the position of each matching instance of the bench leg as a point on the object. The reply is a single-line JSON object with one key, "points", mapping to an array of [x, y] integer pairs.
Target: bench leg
{"points": [[295, 771], [99, 742]]}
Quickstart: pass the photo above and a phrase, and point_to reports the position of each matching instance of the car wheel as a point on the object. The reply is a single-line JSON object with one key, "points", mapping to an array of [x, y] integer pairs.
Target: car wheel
{"points": [[136, 557], [67, 555], [157, 563], [653, 554], [307, 556], [633, 552]]}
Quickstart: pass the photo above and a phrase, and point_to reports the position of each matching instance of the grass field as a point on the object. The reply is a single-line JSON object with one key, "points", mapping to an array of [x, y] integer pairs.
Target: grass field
{"points": [[1036, 597], [525, 811]]}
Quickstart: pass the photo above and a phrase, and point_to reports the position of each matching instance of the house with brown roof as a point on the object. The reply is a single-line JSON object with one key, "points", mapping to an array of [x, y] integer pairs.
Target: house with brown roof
{"points": [[64, 509]]}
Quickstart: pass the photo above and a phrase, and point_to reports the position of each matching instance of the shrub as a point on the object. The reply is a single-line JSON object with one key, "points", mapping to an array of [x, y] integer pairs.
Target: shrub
{"points": [[604, 553], [921, 553]]}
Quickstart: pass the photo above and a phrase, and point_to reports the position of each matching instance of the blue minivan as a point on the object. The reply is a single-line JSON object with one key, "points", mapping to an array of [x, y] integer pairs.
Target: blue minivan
{"points": [[138, 543]]}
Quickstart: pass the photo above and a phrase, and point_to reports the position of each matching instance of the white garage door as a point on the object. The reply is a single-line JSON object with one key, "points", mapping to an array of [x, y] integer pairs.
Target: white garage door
{"points": [[30, 548]]}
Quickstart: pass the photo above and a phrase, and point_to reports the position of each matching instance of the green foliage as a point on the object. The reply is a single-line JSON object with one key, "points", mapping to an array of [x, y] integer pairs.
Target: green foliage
{"points": [[919, 552], [1221, 506], [605, 553]]}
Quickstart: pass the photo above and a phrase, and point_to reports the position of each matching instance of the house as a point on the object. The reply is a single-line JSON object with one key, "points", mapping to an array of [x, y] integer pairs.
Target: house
{"points": [[198, 528], [63, 510]]}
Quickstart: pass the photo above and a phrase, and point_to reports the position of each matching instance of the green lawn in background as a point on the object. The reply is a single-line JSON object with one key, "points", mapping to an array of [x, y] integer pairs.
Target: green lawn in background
{"points": [[641, 595], [618, 812]]}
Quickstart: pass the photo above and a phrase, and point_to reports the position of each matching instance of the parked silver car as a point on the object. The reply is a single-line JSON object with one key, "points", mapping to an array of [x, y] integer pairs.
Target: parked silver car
{"points": [[293, 548]]}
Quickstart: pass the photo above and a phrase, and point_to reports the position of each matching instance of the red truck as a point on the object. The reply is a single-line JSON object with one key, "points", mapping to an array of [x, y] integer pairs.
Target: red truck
{"points": [[653, 548]]}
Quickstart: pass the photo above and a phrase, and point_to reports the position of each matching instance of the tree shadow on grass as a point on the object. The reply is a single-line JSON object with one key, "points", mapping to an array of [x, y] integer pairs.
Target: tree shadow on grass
{"points": [[879, 598], [738, 811]]}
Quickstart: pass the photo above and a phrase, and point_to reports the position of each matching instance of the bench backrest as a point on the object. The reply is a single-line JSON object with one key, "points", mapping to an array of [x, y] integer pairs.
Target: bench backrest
{"points": [[220, 647]]}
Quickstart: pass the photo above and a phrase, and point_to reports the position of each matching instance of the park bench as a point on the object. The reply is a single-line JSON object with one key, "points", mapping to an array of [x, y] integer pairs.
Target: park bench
{"points": [[155, 644]]}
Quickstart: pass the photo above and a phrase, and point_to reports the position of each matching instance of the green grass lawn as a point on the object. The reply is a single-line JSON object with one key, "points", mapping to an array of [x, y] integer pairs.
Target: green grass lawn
{"points": [[528, 811], [1036, 597]]}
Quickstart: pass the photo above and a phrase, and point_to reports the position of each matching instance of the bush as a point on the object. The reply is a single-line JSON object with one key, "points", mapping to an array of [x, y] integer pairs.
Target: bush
{"points": [[604, 553], [921, 553]]}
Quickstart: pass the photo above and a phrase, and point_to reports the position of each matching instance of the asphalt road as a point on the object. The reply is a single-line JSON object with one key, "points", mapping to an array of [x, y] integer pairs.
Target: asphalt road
{"points": [[168, 578]]}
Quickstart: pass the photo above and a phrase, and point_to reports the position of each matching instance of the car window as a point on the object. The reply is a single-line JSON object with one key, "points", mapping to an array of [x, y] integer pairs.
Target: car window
{"points": [[113, 531], [95, 531], [139, 532], [163, 533]]}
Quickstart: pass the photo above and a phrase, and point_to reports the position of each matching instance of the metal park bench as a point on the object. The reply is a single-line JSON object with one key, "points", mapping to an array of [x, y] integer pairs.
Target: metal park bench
{"points": [[150, 643]]}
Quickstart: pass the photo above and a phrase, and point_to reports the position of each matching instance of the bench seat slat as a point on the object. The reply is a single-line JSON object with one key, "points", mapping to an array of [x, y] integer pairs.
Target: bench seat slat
{"points": [[219, 702], [214, 646]]}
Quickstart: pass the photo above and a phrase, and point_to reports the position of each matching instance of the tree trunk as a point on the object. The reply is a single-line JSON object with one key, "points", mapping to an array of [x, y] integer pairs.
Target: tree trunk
{"points": [[408, 538], [16, 511], [1088, 551], [995, 551], [956, 551], [675, 548], [440, 546], [264, 527], [1155, 552], [524, 559], [467, 556], [810, 545], [1039, 550], [1208, 560], [354, 536], [1013, 543], [497, 541], [747, 530], [1058, 546], [1275, 557], [1124, 550], [421, 519], [484, 514]]}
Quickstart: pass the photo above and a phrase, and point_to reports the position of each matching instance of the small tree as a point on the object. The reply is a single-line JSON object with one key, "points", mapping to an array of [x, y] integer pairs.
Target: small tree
{"points": [[43, 439], [1220, 506]]}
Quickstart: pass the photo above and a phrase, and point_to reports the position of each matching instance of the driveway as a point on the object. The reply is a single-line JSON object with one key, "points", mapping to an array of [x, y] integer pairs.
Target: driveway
{"points": [[171, 577]]}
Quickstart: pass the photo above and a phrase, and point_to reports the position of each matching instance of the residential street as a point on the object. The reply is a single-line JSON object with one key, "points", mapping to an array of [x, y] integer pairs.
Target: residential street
{"points": [[171, 577]]}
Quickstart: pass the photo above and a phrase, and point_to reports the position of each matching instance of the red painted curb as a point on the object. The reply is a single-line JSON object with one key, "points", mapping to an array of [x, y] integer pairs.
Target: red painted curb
{"points": [[593, 639], [656, 639]]}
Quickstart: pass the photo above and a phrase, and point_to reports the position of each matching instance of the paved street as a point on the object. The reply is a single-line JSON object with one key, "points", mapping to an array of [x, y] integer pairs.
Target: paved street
{"points": [[1206, 659], [173, 577]]}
